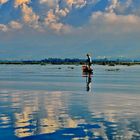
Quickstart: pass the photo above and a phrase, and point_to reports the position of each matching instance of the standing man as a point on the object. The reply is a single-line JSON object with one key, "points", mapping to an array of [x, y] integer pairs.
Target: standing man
{"points": [[89, 61]]}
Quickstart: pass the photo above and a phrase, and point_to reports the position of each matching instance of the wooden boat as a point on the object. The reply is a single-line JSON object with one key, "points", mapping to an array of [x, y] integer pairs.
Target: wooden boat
{"points": [[86, 70]]}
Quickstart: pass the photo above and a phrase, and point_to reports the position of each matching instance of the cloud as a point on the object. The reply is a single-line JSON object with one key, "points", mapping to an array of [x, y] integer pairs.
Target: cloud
{"points": [[58, 10], [52, 21], [3, 28], [20, 2], [61, 12], [3, 1], [50, 3], [15, 25], [113, 5], [121, 7], [66, 3], [51, 17], [29, 17], [53, 12], [76, 3], [115, 23], [59, 15], [113, 18]]}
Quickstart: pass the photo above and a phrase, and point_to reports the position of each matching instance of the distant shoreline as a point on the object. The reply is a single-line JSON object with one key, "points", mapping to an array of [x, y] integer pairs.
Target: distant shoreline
{"points": [[67, 61]]}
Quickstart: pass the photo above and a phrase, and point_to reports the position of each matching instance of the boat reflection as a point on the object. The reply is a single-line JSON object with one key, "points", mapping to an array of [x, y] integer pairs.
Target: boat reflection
{"points": [[88, 80]]}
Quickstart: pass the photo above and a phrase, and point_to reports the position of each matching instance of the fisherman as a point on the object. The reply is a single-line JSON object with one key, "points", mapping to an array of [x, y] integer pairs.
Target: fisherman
{"points": [[89, 61]]}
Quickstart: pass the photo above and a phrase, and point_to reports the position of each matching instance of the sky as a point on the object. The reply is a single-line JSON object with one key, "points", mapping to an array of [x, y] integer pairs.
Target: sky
{"points": [[38, 29]]}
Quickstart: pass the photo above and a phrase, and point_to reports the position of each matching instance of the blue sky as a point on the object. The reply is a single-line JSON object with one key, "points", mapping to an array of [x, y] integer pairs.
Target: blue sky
{"points": [[37, 29]]}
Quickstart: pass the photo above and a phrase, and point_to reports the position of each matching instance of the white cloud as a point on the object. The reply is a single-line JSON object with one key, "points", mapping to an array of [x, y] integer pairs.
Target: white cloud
{"points": [[76, 3], [51, 17], [50, 3], [113, 5], [52, 21], [3, 28], [115, 23], [120, 7], [54, 14], [29, 17], [3, 1], [56, 10], [15, 25], [61, 12], [67, 3], [21, 2], [80, 3], [112, 18]]}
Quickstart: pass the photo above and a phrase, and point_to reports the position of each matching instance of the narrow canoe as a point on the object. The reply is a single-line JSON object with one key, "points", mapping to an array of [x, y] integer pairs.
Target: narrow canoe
{"points": [[85, 69]]}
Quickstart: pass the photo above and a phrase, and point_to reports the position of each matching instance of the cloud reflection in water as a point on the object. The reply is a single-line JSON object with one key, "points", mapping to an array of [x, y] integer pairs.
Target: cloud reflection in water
{"points": [[69, 115]]}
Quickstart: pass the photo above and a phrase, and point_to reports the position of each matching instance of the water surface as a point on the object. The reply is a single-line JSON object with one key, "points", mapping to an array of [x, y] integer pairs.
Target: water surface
{"points": [[59, 102]]}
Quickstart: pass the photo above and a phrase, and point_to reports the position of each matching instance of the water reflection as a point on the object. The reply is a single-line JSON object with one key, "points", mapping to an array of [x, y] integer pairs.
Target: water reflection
{"points": [[88, 81], [43, 103], [88, 77], [49, 115]]}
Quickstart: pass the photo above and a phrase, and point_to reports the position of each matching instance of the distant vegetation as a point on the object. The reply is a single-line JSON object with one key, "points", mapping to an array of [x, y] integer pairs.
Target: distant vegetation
{"points": [[73, 61]]}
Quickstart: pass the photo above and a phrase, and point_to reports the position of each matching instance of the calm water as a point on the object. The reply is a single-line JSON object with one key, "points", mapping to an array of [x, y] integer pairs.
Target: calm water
{"points": [[60, 103]]}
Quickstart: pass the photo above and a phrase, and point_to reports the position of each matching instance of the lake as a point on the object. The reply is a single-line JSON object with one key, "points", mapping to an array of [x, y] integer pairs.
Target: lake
{"points": [[59, 102]]}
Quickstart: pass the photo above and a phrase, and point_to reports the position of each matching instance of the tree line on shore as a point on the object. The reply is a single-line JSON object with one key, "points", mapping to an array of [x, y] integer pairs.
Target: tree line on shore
{"points": [[74, 61]]}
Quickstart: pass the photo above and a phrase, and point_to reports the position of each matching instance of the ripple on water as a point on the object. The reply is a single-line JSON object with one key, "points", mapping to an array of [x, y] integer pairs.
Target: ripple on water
{"points": [[40, 109]]}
